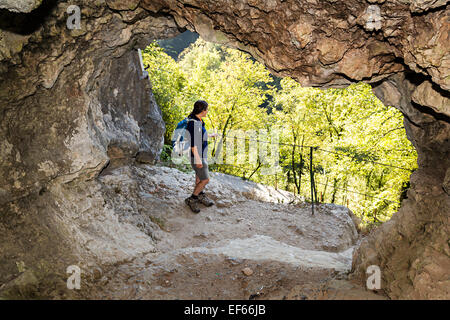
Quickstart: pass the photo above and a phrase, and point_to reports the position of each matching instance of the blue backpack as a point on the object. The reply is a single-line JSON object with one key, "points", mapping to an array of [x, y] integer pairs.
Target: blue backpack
{"points": [[180, 142]]}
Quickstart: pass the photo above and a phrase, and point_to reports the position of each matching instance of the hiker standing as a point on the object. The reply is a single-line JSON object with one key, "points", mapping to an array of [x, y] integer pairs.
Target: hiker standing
{"points": [[199, 155]]}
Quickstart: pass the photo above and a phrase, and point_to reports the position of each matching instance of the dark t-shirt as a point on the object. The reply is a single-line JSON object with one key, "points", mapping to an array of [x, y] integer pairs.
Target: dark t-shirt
{"points": [[199, 136]]}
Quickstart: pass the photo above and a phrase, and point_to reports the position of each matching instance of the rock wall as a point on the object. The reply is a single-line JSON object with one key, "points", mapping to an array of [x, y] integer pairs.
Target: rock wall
{"points": [[20, 6], [412, 249], [71, 102], [72, 105]]}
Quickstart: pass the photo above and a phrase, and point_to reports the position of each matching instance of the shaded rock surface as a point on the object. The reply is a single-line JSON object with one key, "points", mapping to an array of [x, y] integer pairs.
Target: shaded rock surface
{"points": [[63, 121], [20, 6], [326, 43], [69, 110]]}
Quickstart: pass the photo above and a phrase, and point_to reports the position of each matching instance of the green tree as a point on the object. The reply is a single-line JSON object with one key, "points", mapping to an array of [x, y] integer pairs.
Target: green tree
{"points": [[355, 134], [362, 148], [233, 85], [169, 85]]}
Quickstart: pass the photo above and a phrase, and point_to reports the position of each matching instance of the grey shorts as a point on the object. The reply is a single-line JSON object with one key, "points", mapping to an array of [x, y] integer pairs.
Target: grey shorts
{"points": [[203, 172]]}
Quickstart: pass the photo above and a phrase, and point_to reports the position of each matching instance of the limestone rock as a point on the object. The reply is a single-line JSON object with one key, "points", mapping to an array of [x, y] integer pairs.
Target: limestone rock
{"points": [[224, 203], [247, 271], [424, 5], [122, 5], [426, 95], [73, 107], [20, 5], [446, 184], [24, 285]]}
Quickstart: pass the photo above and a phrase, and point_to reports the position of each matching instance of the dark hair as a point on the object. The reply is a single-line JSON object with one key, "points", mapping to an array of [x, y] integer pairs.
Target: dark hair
{"points": [[199, 106]]}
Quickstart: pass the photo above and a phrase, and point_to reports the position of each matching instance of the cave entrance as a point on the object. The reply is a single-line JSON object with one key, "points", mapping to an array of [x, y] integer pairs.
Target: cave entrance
{"points": [[340, 146], [71, 102]]}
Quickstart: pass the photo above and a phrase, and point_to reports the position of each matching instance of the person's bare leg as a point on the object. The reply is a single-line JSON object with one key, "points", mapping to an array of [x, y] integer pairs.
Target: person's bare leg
{"points": [[197, 180], [200, 186]]}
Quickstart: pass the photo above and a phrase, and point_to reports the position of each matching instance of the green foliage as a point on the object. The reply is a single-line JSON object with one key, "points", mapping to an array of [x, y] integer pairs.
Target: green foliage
{"points": [[232, 83], [169, 85], [166, 153], [354, 132], [361, 134], [166, 159]]}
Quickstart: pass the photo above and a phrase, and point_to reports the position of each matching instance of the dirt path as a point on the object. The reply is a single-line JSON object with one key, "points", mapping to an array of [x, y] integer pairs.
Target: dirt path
{"points": [[251, 245]]}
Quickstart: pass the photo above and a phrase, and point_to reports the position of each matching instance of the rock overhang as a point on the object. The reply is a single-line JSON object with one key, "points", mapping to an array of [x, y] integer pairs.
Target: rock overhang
{"points": [[401, 47]]}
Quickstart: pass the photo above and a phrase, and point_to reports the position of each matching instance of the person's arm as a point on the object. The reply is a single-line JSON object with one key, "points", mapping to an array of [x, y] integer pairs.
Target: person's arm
{"points": [[197, 160], [192, 127]]}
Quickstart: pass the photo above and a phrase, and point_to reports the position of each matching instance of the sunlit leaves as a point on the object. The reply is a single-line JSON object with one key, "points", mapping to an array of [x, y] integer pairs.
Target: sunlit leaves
{"points": [[355, 133], [361, 134], [169, 85]]}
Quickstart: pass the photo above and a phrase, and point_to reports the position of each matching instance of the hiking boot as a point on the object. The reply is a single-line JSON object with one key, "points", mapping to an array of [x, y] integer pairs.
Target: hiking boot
{"points": [[205, 200], [193, 204]]}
